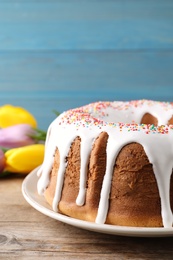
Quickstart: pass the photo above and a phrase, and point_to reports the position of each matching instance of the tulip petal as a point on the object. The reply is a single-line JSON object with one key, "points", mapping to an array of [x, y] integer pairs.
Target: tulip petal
{"points": [[24, 159], [11, 115], [16, 136], [2, 161]]}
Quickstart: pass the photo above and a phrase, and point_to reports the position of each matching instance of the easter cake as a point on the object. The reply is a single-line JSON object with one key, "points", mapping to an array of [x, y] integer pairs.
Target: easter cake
{"points": [[111, 162]]}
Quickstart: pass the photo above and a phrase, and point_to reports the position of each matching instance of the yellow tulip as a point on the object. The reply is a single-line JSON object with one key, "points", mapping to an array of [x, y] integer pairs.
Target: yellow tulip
{"points": [[24, 159], [11, 115]]}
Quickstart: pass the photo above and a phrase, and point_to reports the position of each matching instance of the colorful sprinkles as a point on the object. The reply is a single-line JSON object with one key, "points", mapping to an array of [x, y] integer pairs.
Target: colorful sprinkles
{"points": [[93, 114]]}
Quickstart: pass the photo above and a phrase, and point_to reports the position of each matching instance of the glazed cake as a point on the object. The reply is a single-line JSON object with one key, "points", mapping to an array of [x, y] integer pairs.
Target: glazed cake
{"points": [[111, 162]]}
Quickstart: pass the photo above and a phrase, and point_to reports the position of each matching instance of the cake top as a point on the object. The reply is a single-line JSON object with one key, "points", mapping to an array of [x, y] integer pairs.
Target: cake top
{"points": [[125, 116]]}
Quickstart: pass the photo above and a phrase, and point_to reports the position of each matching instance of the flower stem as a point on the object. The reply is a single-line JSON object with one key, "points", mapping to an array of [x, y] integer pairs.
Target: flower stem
{"points": [[39, 136]]}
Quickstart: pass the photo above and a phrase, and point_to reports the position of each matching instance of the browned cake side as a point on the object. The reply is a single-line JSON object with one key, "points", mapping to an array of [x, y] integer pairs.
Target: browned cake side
{"points": [[70, 191], [134, 198], [150, 119]]}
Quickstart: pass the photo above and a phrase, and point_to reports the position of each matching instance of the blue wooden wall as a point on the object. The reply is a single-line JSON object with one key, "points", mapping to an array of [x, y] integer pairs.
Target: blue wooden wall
{"points": [[60, 54]]}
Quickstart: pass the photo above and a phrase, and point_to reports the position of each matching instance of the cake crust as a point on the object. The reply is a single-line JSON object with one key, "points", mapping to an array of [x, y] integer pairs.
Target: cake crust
{"points": [[134, 199]]}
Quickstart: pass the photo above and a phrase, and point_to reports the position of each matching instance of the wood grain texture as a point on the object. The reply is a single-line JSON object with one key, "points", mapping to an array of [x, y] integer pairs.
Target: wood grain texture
{"points": [[27, 234], [45, 80], [91, 25], [63, 54], [60, 54]]}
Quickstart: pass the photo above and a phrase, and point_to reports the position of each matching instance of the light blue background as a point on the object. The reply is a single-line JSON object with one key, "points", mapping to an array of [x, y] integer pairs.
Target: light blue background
{"points": [[63, 54]]}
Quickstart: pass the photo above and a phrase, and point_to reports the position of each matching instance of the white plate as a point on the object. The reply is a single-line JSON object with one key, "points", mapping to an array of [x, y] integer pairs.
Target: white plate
{"points": [[29, 190]]}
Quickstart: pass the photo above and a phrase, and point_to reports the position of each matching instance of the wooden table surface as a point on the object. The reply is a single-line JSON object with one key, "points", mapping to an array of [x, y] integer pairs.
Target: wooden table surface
{"points": [[27, 234]]}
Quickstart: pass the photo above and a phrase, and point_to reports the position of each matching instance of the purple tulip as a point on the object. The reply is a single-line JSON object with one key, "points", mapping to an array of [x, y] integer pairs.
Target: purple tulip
{"points": [[16, 136], [2, 161]]}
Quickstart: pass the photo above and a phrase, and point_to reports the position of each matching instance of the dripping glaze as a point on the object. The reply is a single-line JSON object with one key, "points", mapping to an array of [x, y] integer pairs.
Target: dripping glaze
{"points": [[88, 122]]}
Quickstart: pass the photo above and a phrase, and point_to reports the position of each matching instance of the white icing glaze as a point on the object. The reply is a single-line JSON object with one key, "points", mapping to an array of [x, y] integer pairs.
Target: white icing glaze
{"points": [[88, 122]]}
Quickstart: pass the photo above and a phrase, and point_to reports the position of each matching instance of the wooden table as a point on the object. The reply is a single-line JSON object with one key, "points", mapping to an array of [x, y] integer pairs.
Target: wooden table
{"points": [[27, 234], [64, 54]]}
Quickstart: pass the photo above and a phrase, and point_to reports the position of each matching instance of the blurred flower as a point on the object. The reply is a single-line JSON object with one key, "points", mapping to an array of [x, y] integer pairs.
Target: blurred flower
{"points": [[11, 115], [2, 161], [21, 142], [24, 159], [16, 136]]}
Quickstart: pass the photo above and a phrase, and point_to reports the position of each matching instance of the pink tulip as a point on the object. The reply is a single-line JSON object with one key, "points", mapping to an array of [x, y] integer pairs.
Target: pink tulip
{"points": [[2, 161], [16, 136]]}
